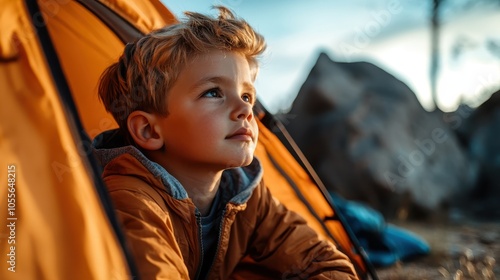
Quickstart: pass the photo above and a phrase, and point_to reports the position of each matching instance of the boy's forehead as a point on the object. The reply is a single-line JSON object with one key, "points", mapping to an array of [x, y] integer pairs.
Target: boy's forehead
{"points": [[216, 65], [214, 56]]}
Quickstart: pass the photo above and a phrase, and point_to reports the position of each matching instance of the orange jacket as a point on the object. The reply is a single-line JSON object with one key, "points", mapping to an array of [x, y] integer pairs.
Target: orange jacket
{"points": [[161, 226]]}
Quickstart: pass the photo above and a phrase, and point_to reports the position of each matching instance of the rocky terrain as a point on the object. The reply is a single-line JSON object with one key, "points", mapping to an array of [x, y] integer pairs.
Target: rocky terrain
{"points": [[468, 250], [369, 140]]}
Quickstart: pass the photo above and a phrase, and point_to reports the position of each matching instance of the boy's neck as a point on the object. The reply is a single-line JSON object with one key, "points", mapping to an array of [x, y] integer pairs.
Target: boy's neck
{"points": [[200, 182], [200, 186], [201, 191]]}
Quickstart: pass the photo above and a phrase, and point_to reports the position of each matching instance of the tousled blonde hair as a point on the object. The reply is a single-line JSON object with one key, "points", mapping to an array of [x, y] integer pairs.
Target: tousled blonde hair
{"points": [[147, 69]]}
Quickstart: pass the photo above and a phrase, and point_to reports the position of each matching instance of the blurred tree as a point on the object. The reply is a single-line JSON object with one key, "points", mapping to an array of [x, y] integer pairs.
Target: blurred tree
{"points": [[461, 44], [434, 49]]}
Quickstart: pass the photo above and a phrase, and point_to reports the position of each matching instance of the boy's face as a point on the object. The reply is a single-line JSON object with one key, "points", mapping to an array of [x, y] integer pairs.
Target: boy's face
{"points": [[210, 123]]}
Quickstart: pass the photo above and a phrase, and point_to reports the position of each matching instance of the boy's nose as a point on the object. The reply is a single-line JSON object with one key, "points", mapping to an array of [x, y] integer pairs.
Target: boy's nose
{"points": [[243, 110]]}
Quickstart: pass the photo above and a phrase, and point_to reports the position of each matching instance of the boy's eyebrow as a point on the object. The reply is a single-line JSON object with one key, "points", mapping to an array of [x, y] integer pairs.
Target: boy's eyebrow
{"points": [[221, 80]]}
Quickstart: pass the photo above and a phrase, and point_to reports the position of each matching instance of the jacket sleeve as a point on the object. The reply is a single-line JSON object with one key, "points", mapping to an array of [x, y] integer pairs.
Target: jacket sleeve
{"points": [[149, 232], [283, 241]]}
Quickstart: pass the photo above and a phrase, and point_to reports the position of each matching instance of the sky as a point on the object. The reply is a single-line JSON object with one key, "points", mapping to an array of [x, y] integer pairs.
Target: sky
{"points": [[392, 34]]}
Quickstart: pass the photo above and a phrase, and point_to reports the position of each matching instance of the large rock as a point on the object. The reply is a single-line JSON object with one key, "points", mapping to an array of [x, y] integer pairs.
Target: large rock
{"points": [[479, 131], [370, 140]]}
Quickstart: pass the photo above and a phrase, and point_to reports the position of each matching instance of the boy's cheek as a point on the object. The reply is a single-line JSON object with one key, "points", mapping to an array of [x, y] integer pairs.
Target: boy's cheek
{"points": [[255, 129]]}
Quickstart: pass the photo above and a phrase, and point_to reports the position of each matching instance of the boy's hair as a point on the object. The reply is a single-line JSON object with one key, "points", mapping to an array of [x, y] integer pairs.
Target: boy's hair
{"points": [[147, 69]]}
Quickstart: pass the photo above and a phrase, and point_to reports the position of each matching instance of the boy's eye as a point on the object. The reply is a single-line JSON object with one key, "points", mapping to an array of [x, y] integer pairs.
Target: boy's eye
{"points": [[213, 93], [247, 97]]}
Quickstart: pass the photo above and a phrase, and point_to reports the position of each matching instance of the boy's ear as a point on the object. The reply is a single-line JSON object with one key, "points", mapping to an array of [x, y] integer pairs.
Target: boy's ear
{"points": [[141, 126]]}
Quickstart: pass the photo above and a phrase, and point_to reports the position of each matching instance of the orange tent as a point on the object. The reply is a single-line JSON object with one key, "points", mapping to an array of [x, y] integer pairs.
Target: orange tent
{"points": [[58, 220]]}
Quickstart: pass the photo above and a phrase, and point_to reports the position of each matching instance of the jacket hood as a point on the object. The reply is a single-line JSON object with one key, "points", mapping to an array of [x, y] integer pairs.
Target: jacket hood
{"points": [[111, 145]]}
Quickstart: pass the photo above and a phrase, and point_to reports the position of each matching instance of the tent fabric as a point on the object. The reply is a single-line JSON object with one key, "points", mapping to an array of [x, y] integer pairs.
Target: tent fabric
{"points": [[86, 46], [288, 182], [64, 229], [58, 226]]}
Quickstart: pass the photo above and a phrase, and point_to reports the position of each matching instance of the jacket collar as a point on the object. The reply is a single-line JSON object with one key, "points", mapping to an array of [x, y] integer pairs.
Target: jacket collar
{"points": [[109, 146]]}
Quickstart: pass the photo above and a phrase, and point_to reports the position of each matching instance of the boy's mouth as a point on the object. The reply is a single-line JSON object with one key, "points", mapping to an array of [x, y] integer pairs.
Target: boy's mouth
{"points": [[243, 134]]}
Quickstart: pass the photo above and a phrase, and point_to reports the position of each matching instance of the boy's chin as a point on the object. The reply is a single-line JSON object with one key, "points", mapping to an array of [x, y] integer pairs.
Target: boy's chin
{"points": [[242, 163]]}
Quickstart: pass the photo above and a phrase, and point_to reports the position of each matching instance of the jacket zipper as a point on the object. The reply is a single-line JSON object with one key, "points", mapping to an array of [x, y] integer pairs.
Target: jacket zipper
{"points": [[200, 239], [222, 219]]}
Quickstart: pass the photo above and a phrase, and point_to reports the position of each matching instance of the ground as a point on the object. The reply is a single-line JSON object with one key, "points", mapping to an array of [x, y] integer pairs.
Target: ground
{"points": [[468, 250]]}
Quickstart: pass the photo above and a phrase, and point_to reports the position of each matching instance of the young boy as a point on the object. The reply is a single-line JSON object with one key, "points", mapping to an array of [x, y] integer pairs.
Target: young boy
{"points": [[180, 168]]}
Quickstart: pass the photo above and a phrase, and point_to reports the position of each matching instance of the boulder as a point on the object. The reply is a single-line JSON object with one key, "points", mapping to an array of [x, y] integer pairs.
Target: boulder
{"points": [[369, 139], [479, 132]]}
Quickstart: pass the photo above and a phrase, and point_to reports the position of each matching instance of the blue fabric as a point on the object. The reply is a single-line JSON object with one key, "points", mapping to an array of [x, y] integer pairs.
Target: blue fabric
{"points": [[385, 244]]}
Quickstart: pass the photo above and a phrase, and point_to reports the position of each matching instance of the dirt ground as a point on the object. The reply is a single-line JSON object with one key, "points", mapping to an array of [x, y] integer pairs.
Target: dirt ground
{"points": [[458, 251]]}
